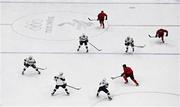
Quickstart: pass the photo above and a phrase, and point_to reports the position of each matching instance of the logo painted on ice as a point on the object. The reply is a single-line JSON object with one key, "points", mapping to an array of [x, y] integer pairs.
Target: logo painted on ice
{"points": [[56, 26], [78, 24]]}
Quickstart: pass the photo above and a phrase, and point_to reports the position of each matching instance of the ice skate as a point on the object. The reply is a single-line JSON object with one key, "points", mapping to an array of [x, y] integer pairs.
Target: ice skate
{"points": [[52, 93], [109, 98], [68, 93], [97, 95]]}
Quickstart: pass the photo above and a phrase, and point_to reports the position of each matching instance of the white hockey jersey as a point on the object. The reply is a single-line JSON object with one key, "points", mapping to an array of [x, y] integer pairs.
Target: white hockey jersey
{"points": [[60, 80], [30, 61], [83, 38], [103, 83], [129, 41]]}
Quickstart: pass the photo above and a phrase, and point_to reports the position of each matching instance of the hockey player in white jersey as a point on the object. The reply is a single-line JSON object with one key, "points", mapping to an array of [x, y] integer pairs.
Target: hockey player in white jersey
{"points": [[30, 61], [103, 85], [129, 42], [60, 82], [83, 39]]}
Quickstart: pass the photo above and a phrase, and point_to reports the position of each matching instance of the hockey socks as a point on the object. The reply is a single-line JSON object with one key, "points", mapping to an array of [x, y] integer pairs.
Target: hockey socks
{"points": [[53, 92], [67, 91], [38, 71], [108, 94], [126, 49], [23, 71], [78, 48], [137, 84], [97, 95], [86, 49], [126, 80]]}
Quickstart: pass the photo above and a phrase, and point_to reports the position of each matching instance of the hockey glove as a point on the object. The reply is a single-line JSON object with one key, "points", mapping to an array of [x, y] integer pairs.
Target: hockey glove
{"points": [[106, 18]]}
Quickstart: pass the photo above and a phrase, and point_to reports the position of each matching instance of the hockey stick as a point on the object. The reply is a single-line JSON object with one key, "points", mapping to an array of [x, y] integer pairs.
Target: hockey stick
{"points": [[91, 19], [95, 47], [42, 68], [139, 46], [74, 87], [152, 36], [115, 77]]}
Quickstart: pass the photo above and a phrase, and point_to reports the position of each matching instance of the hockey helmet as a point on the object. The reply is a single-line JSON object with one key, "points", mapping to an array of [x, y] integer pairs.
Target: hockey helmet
{"points": [[83, 34], [30, 57], [124, 65], [61, 73], [104, 79]]}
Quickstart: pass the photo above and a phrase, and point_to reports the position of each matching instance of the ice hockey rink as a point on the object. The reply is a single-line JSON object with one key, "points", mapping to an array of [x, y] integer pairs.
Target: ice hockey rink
{"points": [[49, 31]]}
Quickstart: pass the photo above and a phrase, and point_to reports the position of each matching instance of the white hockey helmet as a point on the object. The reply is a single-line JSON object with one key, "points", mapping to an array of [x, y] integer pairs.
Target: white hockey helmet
{"points": [[104, 79], [30, 57], [83, 34], [61, 73]]}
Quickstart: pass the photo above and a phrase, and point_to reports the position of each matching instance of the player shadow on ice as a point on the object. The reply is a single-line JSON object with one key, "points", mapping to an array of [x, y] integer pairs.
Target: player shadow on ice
{"points": [[102, 97], [99, 28], [164, 44], [31, 73], [129, 53], [60, 94], [122, 84], [159, 42]]}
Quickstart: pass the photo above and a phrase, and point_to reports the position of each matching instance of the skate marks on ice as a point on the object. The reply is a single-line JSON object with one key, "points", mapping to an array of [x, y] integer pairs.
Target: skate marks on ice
{"points": [[56, 26], [135, 92]]}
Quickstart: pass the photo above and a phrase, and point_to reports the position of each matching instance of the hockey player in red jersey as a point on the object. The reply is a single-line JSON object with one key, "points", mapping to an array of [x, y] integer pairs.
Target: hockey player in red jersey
{"points": [[160, 34], [101, 17], [128, 72]]}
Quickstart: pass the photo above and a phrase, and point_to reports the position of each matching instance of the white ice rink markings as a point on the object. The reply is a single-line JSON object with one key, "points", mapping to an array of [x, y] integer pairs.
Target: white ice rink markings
{"points": [[137, 92], [150, 92]]}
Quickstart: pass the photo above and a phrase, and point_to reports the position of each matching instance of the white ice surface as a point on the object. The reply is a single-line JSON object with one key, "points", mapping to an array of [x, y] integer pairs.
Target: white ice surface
{"points": [[99, 1], [156, 66]]}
